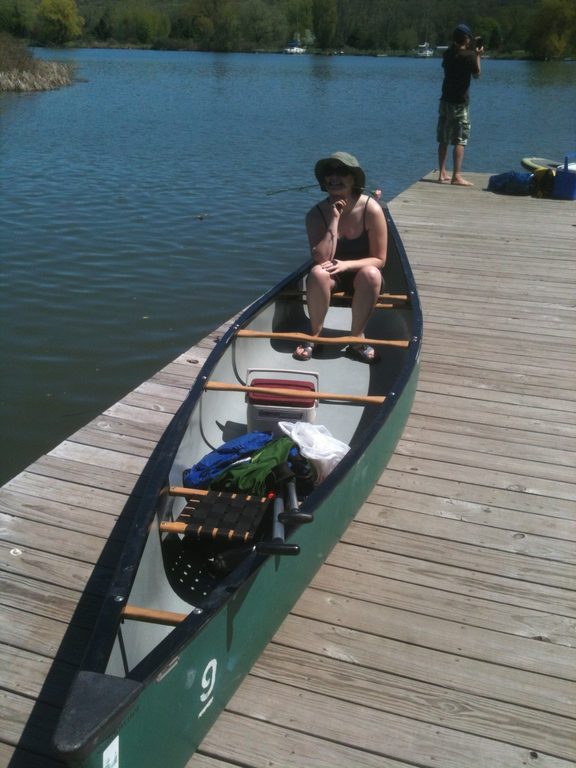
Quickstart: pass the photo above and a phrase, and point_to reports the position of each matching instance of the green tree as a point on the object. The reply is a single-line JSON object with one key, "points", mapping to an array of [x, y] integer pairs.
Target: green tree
{"points": [[325, 18], [103, 27], [57, 22], [17, 17], [298, 15], [261, 25], [554, 32], [516, 21], [134, 23], [488, 29]]}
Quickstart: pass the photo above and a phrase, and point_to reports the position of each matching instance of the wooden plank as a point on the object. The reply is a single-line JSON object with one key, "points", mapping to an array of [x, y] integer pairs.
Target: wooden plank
{"points": [[390, 505], [240, 740], [387, 734], [467, 642], [407, 697], [440, 601], [461, 581], [486, 537]]}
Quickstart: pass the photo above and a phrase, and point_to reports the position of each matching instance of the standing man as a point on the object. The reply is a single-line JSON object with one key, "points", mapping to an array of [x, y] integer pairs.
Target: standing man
{"points": [[461, 62]]}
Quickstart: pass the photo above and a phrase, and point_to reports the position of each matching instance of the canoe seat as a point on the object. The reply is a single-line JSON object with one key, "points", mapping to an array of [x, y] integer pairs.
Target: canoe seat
{"points": [[216, 531], [228, 518]]}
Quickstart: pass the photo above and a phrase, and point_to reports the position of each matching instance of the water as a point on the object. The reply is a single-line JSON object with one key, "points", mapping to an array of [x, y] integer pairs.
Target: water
{"points": [[142, 207]]}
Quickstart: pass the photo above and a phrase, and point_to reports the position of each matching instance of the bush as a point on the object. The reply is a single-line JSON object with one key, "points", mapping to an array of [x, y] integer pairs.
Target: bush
{"points": [[14, 55], [57, 22]]}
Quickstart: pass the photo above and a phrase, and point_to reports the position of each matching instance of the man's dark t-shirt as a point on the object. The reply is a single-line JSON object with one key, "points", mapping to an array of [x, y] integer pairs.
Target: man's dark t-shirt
{"points": [[459, 67]]}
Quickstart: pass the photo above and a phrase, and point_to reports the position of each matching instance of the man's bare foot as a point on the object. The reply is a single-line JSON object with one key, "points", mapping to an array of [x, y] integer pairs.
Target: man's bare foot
{"points": [[461, 182], [443, 178]]}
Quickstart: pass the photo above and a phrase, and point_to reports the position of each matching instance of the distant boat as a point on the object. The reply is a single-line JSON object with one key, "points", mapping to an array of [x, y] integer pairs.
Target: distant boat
{"points": [[295, 46], [294, 49], [424, 51]]}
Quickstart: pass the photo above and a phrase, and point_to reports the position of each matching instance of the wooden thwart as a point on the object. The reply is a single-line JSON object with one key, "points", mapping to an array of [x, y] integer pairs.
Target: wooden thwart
{"points": [[343, 295], [247, 333], [152, 615], [295, 394], [185, 528], [387, 296]]}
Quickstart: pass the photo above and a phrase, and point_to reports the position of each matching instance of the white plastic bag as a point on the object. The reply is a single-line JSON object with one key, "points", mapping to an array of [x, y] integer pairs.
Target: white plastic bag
{"points": [[317, 444]]}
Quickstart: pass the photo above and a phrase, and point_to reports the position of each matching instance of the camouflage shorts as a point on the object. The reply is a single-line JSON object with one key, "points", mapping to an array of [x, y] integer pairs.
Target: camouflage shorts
{"points": [[453, 124]]}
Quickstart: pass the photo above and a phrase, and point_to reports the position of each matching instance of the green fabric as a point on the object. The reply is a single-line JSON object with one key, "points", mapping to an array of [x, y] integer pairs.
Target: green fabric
{"points": [[255, 476]]}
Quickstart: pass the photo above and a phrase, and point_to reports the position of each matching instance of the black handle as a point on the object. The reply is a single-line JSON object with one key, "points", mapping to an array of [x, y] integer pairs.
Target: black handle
{"points": [[277, 547], [294, 514]]}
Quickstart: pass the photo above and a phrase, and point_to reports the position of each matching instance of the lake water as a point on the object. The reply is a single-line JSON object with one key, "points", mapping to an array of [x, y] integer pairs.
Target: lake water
{"points": [[144, 205]]}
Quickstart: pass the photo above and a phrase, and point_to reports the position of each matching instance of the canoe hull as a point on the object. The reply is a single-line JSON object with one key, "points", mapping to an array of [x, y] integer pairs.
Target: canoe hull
{"points": [[161, 709]]}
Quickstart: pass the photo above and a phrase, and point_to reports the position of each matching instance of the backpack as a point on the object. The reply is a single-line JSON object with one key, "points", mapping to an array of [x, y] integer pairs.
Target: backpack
{"points": [[511, 183]]}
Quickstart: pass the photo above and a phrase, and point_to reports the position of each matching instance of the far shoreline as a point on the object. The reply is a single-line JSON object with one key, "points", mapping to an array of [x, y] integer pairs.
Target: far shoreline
{"points": [[43, 75]]}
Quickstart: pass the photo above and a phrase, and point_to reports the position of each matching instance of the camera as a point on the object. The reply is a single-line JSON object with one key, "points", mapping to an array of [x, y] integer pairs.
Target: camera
{"points": [[479, 43]]}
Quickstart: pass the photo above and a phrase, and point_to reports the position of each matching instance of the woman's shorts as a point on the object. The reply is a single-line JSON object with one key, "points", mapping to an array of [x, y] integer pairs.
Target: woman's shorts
{"points": [[453, 124], [345, 283]]}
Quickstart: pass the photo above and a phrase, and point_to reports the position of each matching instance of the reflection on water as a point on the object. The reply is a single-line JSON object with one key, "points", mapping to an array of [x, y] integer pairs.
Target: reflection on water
{"points": [[143, 206]]}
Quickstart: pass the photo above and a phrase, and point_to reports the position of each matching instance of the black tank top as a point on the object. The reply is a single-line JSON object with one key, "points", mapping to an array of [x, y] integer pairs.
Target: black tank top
{"points": [[357, 247]]}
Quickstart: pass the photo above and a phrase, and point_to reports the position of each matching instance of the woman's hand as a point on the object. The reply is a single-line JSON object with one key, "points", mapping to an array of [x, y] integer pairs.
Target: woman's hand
{"points": [[337, 208], [334, 267]]}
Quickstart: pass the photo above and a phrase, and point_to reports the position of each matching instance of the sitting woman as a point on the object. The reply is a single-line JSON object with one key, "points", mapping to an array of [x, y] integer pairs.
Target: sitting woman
{"points": [[348, 238]]}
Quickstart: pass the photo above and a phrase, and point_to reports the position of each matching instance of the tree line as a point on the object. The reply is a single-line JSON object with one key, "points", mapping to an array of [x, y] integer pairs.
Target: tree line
{"points": [[542, 29]]}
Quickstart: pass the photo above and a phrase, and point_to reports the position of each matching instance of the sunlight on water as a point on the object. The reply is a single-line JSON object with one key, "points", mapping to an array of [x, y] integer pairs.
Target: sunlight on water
{"points": [[146, 204]]}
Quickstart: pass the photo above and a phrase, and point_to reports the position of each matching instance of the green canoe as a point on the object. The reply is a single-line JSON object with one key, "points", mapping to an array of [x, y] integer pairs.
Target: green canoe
{"points": [[195, 598]]}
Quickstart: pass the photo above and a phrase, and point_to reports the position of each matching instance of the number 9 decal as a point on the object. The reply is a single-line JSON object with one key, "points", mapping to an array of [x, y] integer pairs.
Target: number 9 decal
{"points": [[208, 682]]}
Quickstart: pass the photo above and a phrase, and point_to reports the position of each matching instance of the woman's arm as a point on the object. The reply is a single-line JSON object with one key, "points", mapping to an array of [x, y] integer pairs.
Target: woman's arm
{"points": [[377, 232], [323, 240]]}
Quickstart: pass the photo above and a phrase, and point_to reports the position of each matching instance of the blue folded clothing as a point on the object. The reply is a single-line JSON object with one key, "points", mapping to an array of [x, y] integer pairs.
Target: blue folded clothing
{"points": [[214, 463]]}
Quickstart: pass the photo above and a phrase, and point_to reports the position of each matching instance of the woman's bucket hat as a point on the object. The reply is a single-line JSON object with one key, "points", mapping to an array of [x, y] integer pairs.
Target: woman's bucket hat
{"points": [[344, 158]]}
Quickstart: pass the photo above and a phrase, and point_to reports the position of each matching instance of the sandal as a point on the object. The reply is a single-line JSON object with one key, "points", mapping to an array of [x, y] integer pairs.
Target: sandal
{"points": [[303, 351], [364, 353]]}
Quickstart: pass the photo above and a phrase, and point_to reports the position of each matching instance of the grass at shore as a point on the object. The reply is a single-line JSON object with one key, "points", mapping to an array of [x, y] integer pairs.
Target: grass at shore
{"points": [[20, 71]]}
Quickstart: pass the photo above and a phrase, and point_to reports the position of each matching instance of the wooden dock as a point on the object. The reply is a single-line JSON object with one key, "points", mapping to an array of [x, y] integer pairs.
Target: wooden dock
{"points": [[441, 632]]}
